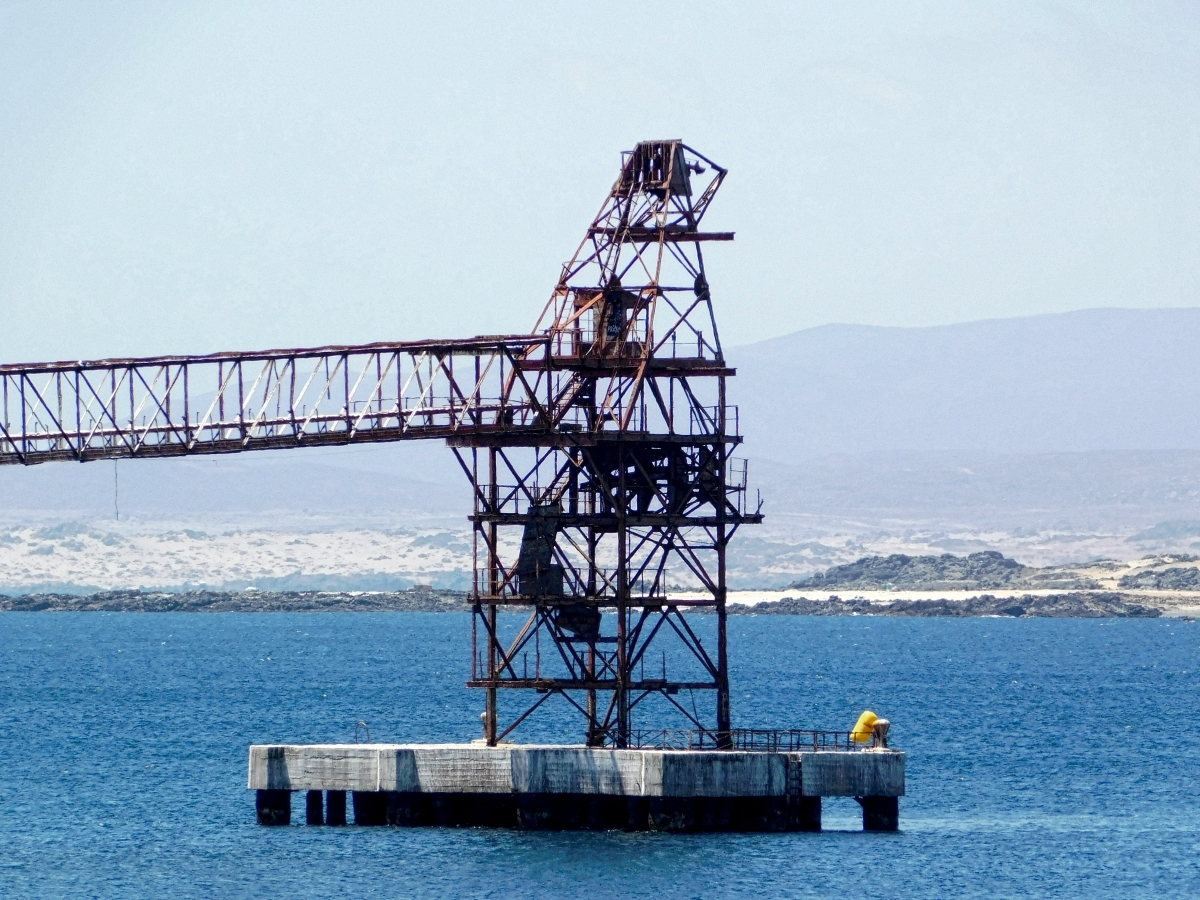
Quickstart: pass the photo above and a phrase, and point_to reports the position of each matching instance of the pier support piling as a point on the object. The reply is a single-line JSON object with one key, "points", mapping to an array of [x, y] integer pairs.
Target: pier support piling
{"points": [[273, 807], [314, 808], [804, 814], [335, 807], [880, 813], [370, 807]]}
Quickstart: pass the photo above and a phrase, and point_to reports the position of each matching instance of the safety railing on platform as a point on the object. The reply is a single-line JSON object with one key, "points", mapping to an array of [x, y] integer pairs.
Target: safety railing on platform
{"points": [[747, 739]]}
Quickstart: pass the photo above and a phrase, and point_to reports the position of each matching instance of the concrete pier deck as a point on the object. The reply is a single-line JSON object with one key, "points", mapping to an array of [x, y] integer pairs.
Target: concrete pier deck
{"points": [[560, 787]]}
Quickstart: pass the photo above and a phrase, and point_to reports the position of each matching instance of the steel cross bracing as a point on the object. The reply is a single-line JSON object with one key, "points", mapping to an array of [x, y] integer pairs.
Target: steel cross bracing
{"points": [[598, 449], [637, 493], [230, 402]]}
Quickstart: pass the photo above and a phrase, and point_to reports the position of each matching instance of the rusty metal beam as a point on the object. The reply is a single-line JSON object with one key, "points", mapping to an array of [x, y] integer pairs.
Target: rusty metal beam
{"points": [[651, 235]]}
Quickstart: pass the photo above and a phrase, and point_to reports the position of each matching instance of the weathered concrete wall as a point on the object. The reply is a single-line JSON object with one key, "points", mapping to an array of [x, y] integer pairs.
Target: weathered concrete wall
{"points": [[381, 767], [722, 774], [467, 769], [861, 774], [455, 769], [331, 767], [578, 770]]}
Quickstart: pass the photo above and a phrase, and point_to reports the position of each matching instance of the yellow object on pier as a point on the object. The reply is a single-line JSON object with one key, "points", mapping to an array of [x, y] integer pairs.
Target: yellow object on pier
{"points": [[864, 728]]}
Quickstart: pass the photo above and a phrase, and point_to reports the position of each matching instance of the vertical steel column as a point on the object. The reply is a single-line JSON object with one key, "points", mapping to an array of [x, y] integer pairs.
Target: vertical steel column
{"points": [[476, 527], [491, 712], [724, 714], [595, 737], [622, 679], [221, 399]]}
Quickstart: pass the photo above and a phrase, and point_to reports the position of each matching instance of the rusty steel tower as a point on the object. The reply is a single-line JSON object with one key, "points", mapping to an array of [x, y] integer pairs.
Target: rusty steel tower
{"points": [[598, 447], [624, 485]]}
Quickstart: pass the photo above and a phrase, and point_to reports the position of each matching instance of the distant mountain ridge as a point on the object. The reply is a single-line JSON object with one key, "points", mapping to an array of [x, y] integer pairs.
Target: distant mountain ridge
{"points": [[1097, 379], [1013, 423]]}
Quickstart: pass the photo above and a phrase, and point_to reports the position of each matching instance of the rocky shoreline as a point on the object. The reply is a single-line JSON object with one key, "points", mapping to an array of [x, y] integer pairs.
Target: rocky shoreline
{"points": [[242, 601], [1073, 604]]}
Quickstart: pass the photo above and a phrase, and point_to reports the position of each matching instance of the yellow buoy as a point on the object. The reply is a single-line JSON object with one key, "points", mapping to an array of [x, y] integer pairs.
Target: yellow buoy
{"points": [[864, 727]]}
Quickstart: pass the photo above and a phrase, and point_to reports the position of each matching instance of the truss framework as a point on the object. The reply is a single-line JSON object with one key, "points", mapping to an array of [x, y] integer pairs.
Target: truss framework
{"points": [[231, 402], [637, 492], [598, 448]]}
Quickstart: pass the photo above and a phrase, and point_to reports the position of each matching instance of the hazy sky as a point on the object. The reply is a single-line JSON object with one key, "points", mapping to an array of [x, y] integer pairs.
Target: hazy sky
{"points": [[190, 177]]}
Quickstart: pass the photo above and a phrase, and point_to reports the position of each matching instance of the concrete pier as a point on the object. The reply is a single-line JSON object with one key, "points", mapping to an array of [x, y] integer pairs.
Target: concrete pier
{"points": [[556, 787]]}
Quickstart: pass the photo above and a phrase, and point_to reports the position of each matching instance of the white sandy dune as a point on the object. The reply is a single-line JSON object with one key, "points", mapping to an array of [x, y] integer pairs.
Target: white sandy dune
{"points": [[73, 557]]}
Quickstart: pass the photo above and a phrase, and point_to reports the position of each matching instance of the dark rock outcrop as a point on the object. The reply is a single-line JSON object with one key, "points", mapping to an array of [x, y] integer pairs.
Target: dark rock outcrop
{"points": [[1173, 579], [984, 570], [1073, 605]]}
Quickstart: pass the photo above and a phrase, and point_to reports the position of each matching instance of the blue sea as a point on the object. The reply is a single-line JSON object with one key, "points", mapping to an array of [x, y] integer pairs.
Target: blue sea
{"points": [[1045, 758]]}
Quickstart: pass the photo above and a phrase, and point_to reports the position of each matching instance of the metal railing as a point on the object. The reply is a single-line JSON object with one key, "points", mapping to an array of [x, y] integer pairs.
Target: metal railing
{"points": [[230, 402], [747, 739]]}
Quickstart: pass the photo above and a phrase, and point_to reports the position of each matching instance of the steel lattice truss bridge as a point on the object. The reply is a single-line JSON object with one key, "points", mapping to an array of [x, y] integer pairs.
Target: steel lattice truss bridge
{"points": [[598, 449]]}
